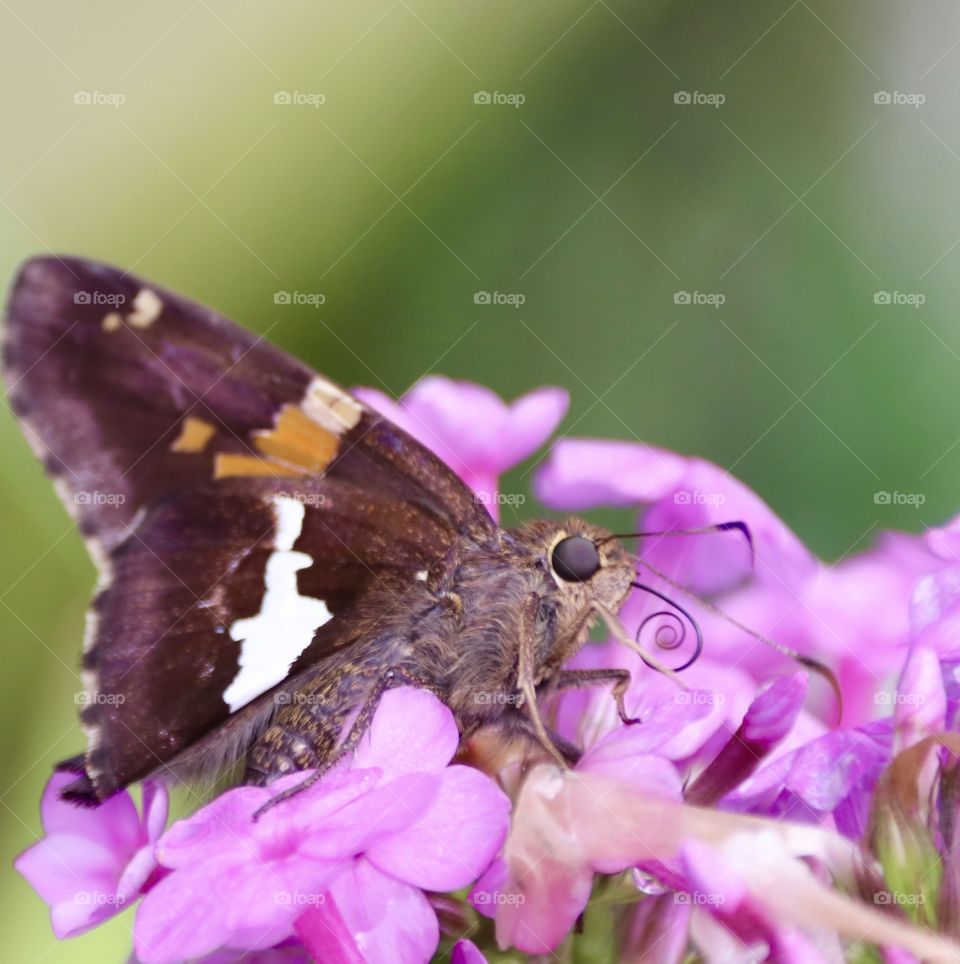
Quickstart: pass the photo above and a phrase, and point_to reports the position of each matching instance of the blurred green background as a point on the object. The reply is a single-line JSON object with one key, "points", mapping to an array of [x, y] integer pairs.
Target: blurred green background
{"points": [[600, 198]]}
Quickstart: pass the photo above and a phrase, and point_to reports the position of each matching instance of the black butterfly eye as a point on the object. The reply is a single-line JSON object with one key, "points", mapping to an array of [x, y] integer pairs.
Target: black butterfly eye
{"points": [[575, 559]]}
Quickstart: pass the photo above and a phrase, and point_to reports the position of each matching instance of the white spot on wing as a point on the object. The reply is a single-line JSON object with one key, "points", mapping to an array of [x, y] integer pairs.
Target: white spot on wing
{"points": [[147, 308], [285, 625]]}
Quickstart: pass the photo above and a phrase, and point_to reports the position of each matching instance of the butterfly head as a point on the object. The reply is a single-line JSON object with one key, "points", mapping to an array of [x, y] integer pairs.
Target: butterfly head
{"points": [[582, 570]]}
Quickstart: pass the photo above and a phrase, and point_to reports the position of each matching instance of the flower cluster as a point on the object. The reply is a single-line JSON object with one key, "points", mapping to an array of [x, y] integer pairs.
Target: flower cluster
{"points": [[738, 819]]}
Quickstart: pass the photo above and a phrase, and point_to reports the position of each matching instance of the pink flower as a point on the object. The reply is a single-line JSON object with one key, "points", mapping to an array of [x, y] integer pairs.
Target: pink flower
{"points": [[93, 863], [343, 862], [471, 428]]}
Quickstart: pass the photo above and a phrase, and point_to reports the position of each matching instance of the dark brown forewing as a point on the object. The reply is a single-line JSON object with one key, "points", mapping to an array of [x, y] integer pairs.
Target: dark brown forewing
{"points": [[105, 399], [165, 427], [129, 392]]}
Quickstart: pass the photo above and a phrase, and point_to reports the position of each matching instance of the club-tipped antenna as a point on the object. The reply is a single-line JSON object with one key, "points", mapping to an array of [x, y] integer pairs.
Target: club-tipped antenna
{"points": [[736, 525]]}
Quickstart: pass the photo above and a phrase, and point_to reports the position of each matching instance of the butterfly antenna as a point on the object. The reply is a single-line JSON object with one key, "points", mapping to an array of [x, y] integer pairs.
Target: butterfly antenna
{"points": [[735, 526], [821, 669]]}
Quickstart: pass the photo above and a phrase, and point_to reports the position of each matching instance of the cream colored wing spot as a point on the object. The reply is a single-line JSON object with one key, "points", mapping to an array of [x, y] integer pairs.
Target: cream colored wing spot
{"points": [[147, 308], [194, 435], [304, 439], [331, 407]]}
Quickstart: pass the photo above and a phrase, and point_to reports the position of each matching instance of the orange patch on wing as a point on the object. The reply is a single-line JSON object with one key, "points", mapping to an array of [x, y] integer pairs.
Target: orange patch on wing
{"points": [[194, 435], [295, 446]]}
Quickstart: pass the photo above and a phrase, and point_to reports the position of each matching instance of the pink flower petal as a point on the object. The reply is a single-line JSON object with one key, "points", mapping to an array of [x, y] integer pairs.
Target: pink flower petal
{"points": [[533, 419], [456, 837], [323, 929], [219, 826], [466, 952], [586, 473], [648, 774], [471, 428], [115, 823], [380, 814], [60, 866], [226, 900], [384, 919], [412, 732], [921, 701]]}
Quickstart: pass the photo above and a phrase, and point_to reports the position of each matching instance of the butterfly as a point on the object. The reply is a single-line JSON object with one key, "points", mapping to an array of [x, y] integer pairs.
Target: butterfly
{"points": [[273, 555]]}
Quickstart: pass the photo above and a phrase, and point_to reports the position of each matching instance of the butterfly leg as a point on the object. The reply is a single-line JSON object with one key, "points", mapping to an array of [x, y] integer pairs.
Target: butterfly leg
{"points": [[396, 675], [579, 678], [526, 677]]}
